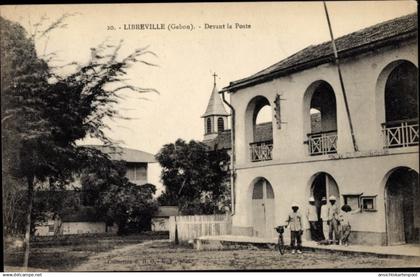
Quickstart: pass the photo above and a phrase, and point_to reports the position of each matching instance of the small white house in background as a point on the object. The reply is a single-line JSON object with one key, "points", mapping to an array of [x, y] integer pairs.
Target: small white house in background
{"points": [[84, 220], [72, 228], [160, 221], [137, 162]]}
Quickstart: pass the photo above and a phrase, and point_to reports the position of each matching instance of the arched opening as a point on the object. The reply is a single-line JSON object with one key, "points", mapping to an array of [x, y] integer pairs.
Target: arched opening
{"points": [[220, 125], [264, 115], [402, 206], [401, 106], [259, 129], [263, 210], [321, 113], [208, 126], [323, 185]]}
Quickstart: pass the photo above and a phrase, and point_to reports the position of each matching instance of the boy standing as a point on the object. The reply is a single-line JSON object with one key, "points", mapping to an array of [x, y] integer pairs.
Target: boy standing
{"points": [[295, 222], [344, 219]]}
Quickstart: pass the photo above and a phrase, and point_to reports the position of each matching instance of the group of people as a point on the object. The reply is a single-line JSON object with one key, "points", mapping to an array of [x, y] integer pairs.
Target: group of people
{"points": [[329, 218]]}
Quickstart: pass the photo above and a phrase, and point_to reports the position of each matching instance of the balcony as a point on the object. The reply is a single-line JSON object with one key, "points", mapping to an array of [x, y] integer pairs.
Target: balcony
{"points": [[400, 133], [322, 143], [261, 151]]}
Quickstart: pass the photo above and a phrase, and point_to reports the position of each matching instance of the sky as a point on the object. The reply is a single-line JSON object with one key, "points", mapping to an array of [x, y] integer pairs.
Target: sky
{"points": [[187, 59]]}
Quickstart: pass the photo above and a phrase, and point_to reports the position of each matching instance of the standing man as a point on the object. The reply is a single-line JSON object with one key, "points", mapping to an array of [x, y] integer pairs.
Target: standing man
{"points": [[312, 217], [323, 219], [57, 224], [333, 214], [295, 222]]}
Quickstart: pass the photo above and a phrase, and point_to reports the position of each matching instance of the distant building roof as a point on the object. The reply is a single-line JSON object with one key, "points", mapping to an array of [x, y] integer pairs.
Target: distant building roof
{"points": [[167, 211], [215, 106], [373, 37], [222, 141], [126, 154], [263, 132]]}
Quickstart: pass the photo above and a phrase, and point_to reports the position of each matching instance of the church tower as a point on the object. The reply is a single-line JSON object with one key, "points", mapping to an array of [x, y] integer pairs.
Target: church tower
{"points": [[216, 116]]}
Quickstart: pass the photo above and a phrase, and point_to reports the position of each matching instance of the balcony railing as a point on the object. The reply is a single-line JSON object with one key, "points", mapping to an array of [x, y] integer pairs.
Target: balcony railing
{"points": [[322, 143], [401, 133], [261, 151]]}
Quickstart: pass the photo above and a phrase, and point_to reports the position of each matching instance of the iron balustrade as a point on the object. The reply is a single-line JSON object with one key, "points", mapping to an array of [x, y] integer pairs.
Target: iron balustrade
{"points": [[261, 151], [400, 133], [322, 143]]}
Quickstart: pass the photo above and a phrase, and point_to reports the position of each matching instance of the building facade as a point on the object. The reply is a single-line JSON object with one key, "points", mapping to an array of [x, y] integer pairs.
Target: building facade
{"points": [[311, 150], [136, 161]]}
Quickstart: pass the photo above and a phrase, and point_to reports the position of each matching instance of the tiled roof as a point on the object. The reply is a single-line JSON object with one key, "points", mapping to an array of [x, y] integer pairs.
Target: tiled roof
{"points": [[126, 154], [379, 35], [215, 105], [222, 141], [263, 132]]}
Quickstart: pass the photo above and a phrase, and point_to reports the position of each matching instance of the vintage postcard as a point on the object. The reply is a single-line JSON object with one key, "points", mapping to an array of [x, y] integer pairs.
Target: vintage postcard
{"points": [[210, 136]]}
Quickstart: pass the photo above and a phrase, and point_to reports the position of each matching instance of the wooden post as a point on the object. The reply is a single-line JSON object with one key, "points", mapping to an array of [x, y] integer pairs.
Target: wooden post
{"points": [[337, 62], [176, 232]]}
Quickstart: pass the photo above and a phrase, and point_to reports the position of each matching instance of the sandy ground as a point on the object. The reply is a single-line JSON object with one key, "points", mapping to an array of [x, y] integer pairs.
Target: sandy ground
{"points": [[22, 269], [162, 255], [67, 252]]}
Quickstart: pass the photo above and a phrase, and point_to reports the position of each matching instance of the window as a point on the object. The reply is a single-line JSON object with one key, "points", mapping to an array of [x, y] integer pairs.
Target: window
{"points": [[368, 203], [220, 125], [136, 172], [208, 128], [131, 173], [141, 173], [353, 200]]}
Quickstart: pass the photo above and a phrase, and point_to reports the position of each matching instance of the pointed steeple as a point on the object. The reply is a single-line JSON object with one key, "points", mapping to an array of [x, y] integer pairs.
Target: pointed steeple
{"points": [[216, 116], [215, 105]]}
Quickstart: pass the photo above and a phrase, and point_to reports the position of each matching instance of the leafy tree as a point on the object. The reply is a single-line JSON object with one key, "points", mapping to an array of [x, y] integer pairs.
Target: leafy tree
{"points": [[25, 133], [130, 205], [118, 200], [44, 114], [193, 177]]}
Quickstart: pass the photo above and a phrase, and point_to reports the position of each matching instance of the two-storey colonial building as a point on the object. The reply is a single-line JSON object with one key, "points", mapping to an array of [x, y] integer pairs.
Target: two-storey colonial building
{"points": [[310, 151]]}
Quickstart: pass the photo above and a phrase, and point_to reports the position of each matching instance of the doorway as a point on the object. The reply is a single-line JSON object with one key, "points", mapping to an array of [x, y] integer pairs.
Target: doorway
{"points": [[263, 210], [324, 185], [402, 194]]}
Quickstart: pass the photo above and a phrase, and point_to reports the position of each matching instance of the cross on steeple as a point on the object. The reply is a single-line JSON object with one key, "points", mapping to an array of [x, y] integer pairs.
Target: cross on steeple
{"points": [[215, 117], [214, 78]]}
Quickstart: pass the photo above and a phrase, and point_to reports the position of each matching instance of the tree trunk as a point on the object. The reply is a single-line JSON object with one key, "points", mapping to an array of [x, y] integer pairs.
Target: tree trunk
{"points": [[30, 180]]}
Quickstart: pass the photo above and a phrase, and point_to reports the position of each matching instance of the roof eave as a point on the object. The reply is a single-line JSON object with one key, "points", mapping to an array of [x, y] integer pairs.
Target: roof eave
{"points": [[322, 60], [206, 115]]}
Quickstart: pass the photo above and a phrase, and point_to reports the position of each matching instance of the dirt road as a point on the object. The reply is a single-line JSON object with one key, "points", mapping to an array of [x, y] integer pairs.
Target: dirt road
{"points": [[161, 255]]}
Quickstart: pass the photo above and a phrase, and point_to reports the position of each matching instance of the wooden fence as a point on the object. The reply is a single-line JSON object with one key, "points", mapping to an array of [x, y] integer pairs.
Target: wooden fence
{"points": [[185, 228]]}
